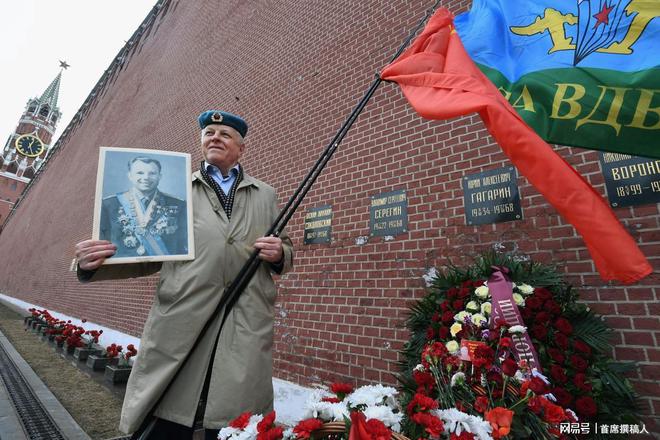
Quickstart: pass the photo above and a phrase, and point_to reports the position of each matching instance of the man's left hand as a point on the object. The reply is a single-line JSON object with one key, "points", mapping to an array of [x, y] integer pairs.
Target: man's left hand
{"points": [[270, 249]]}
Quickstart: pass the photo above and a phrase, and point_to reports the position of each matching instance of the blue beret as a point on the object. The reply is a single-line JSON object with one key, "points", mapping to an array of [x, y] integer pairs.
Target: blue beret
{"points": [[224, 118]]}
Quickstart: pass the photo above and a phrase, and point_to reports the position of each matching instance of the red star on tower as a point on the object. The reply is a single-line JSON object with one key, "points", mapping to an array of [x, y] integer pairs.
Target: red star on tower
{"points": [[603, 16]]}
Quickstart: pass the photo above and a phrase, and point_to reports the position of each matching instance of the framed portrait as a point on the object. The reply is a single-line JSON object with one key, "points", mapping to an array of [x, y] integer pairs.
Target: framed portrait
{"points": [[143, 205]]}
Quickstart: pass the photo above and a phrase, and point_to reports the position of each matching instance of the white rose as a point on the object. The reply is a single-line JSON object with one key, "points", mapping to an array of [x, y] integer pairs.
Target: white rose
{"points": [[520, 301], [455, 328], [472, 306], [481, 292], [478, 319], [452, 346], [486, 308], [460, 316], [526, 289]]}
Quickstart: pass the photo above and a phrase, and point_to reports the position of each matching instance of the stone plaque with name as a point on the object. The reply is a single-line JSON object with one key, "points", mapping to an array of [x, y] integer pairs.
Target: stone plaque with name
{"points": [[388, 213], [491, 197], [318, 225], [630, 180]]}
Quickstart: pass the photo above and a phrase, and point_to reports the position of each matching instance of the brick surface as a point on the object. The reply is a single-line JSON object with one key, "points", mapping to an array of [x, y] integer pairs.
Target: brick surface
{"points": [[295, 70]]}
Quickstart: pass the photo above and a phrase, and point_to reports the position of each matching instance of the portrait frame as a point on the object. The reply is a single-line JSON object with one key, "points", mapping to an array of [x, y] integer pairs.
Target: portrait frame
{"points": [[155, 227]]}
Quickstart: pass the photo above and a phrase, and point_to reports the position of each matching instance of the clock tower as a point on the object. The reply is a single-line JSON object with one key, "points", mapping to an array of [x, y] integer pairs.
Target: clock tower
{"points": [[29, 145]]}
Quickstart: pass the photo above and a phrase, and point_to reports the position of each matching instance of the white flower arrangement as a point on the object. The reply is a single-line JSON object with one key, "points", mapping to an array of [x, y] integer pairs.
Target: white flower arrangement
{"points": [[456, 422]]}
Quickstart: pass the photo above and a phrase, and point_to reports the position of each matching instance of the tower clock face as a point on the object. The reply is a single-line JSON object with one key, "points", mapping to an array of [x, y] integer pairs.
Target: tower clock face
{"points": [[29, 145]]}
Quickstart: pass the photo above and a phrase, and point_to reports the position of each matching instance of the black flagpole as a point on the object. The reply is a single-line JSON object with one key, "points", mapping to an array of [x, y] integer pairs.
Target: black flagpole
{"points": [[232, 293]]}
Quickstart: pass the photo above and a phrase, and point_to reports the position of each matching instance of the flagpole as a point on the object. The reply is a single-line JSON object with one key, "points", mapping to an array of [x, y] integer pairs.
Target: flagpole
{"points": [[232, 293]]}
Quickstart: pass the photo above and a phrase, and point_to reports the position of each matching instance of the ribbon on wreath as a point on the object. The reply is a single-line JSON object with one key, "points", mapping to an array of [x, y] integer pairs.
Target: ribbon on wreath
{"points": [[504, 307]]}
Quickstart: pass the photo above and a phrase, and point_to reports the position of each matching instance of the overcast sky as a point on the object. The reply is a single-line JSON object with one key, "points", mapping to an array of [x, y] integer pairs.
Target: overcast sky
{"points": [[36, 34]]}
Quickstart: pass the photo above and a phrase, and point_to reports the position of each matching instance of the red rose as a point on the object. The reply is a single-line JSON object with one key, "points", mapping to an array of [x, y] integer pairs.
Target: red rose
{"points": [[542, 318], [564, 326], [452, 293], [447, 317], [526, 313], [580, 381], [564, 398], [558, 374], [553, 413], [539, 332], [509, 367], [443, 333], [582, 347], [304, 428], [481, 404], [444, 306], [458, 304], [464, 292], [535, 404], [430, 333], [241, 421], [435, 317], [579, 363], [561, 340], [542, 293], [534, 303], [586, 407], [556, 355]]}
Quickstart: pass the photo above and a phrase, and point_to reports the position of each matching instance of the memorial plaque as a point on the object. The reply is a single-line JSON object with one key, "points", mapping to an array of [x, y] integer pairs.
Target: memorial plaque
{"points": [[318, 225], [492, 197], [630, 180], [388, 213]]}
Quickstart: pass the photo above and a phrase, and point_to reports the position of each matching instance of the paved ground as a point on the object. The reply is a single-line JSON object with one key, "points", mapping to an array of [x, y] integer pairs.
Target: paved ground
{"points": [[79, 402]]}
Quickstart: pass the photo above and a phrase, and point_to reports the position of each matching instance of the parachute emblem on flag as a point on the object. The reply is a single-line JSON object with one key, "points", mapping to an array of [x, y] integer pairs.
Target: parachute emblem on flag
{"points": [[600, 23]]}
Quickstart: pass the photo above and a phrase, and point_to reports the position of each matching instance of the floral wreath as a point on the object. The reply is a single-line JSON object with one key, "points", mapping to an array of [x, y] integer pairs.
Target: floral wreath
{"points": [[460, 358]]}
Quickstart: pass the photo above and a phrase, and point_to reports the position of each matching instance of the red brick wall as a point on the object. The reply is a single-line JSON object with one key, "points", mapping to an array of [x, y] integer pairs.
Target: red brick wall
{"points": [[295, 69]]}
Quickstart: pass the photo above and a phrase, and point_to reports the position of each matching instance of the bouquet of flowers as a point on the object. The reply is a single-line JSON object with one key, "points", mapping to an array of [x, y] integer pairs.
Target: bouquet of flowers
{"points": [[117, 351], [370, 412], [461, 368]]}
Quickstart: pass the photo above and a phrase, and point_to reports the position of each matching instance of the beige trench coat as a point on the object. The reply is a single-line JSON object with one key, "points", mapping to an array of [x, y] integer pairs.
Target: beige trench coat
{"points": [[188, 292]]}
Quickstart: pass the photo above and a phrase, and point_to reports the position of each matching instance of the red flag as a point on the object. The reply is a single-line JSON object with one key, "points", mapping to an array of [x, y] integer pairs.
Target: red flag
{"points": [[440, 81]]}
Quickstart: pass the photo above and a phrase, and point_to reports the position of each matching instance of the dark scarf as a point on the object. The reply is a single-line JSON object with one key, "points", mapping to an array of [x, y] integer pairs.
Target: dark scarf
{"points": [[226, 200]]}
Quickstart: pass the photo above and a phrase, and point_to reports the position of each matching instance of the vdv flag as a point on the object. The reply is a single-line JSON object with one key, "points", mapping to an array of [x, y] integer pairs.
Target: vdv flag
{"points": [[582, 73]]}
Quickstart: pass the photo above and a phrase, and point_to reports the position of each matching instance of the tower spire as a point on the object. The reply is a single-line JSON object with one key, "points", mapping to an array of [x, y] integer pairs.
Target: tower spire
{"points": [[50, 95]]}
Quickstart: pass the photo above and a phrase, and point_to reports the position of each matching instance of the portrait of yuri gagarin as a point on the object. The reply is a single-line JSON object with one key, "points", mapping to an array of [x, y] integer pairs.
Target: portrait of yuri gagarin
{"points": [[144, 204]]}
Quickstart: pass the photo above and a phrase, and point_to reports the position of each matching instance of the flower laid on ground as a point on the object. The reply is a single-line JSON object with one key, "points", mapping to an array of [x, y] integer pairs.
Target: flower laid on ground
{"points": [[469, 363]]}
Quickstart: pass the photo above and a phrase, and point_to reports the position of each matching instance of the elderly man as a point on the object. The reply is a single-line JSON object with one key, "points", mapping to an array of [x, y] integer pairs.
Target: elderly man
{"points": [[144, 221], [231, 212]]}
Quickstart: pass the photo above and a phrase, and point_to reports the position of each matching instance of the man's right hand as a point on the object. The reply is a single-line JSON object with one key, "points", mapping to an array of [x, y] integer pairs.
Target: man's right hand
{"points": [[92, 253]]}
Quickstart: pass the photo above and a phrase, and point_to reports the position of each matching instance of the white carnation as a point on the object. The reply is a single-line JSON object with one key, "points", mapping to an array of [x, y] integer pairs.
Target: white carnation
{"points": [[371, 395], [385, 414], [457, 421]]}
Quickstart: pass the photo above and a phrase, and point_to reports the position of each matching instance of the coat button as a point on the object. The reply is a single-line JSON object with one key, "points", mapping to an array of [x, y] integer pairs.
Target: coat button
{"points": [[230, 241]]}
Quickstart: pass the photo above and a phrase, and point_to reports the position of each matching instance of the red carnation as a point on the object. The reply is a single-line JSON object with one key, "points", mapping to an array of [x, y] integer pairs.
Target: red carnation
{"points": [[378, 430], [304, 428], [241, 421], [506, 342], [330, 399], [463, 436], [481, 404], [431, 423], [421, 402], [267, 422], [341, 388], [586, 407], [273, 433], [509, 367]]}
